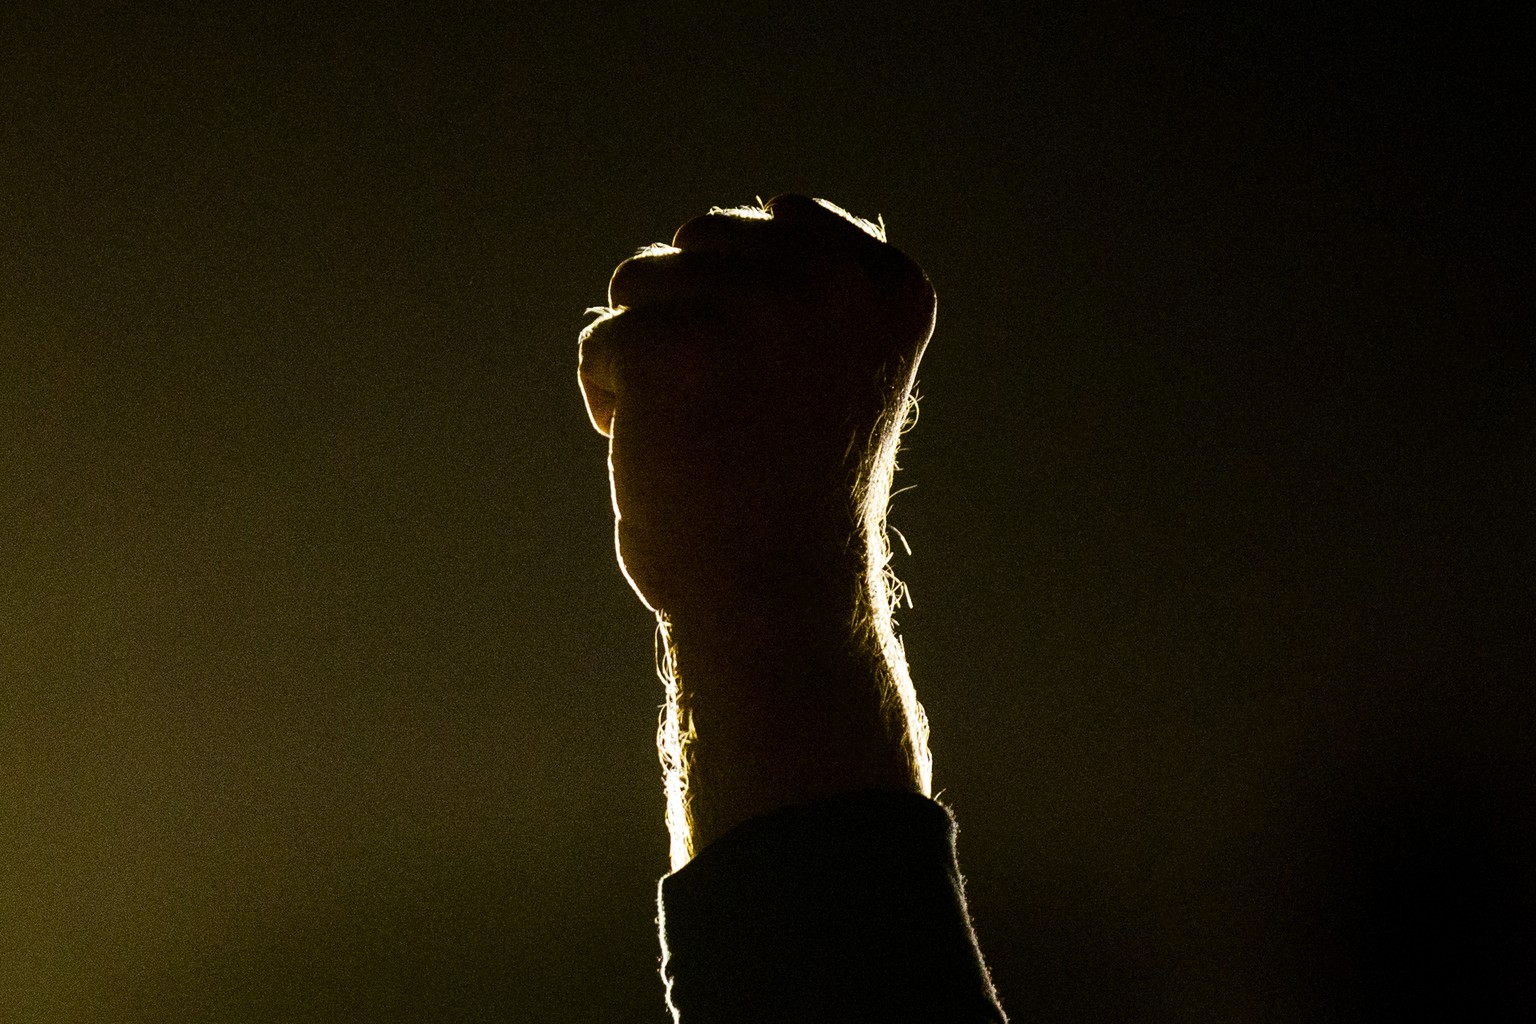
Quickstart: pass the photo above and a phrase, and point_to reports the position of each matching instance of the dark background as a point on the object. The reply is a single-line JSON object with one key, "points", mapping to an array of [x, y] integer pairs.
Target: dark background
{"points": [[323, 700]]}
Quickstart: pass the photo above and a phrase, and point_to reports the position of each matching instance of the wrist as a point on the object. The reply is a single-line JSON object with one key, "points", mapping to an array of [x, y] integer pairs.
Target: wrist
{"points": [[782, 701]]}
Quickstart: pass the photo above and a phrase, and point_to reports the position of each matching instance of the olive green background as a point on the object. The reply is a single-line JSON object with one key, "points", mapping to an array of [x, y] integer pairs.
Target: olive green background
{"points": [[322, 700]]}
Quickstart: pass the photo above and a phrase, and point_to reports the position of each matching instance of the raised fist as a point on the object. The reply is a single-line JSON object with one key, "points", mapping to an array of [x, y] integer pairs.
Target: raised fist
{"points": [[751, 378]]}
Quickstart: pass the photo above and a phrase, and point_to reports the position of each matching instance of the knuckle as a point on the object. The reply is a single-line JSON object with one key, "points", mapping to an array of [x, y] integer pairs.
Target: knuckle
{"points": [[718, 230], [670, 278], [622, 283]]}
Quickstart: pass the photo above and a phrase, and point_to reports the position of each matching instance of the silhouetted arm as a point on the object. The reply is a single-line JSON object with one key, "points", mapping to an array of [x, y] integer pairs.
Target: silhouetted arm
{"points": [[752, 379]]}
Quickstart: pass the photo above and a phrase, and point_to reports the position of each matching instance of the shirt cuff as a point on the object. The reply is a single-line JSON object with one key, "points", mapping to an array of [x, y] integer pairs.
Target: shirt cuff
{"points": [[847, 909]]}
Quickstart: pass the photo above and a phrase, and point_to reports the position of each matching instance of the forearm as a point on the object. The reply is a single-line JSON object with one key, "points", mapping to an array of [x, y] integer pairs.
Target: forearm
{"points": [[785, 691], [765, 726]]}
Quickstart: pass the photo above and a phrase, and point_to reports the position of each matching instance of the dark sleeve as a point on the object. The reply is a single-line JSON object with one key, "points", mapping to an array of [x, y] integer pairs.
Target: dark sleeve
{"points": [[847, 909]]}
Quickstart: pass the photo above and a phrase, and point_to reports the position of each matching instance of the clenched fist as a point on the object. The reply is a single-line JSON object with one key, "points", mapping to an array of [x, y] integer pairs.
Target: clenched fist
{"points": [[751, 378]]}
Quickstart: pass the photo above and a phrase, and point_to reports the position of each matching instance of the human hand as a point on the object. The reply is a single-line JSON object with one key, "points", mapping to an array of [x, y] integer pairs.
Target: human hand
{"points": [[751, 379]]}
